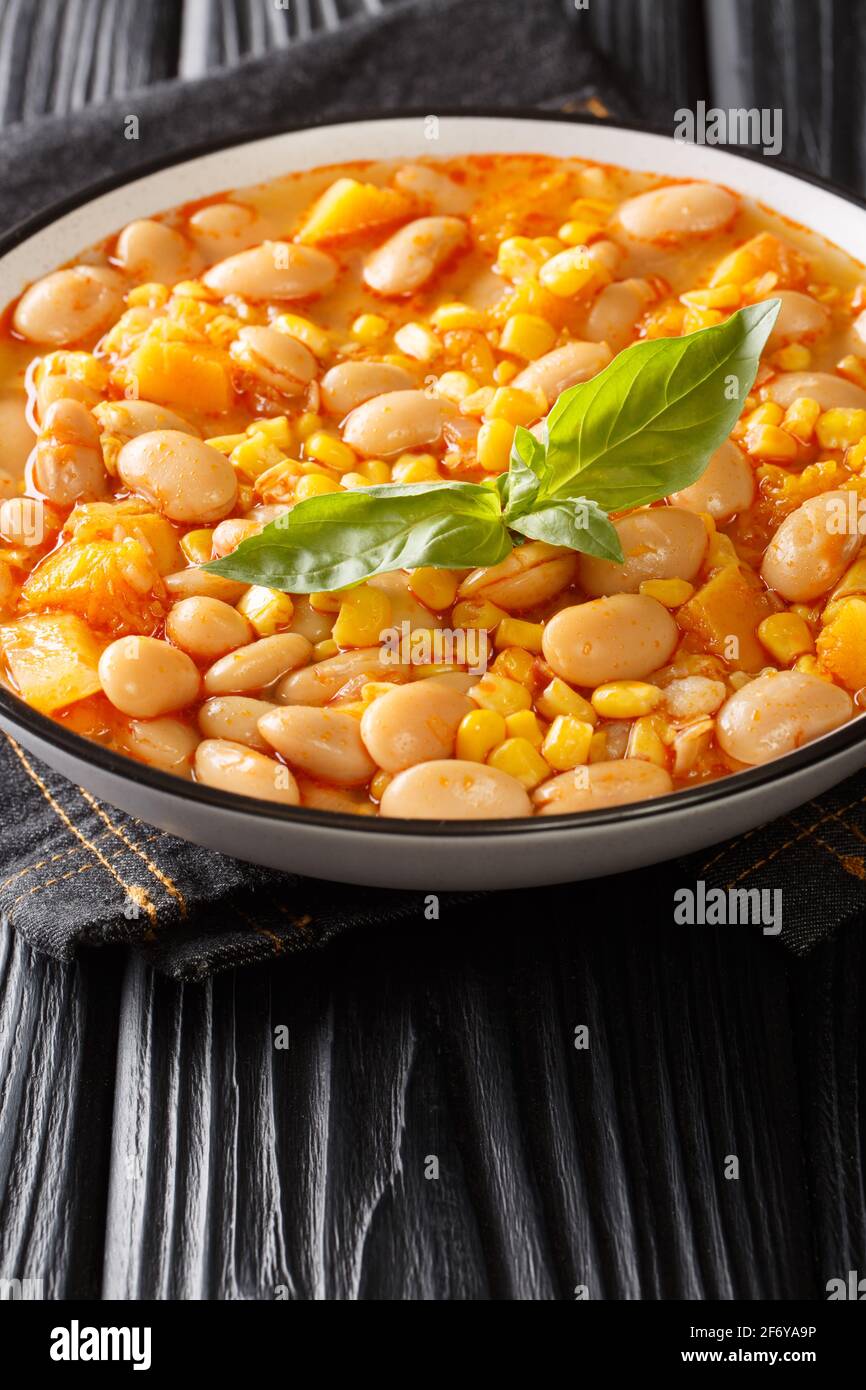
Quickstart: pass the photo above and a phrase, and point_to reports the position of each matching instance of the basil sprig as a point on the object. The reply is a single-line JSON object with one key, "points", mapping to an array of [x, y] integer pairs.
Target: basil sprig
{"points": [[642, 428]]}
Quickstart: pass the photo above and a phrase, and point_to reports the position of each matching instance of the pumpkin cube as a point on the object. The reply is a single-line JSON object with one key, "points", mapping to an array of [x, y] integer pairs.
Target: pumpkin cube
{"points": [[53, 659], [133, 519], [113, 585], [725, 613], [191, 376], [841, 644], [349, 207]]}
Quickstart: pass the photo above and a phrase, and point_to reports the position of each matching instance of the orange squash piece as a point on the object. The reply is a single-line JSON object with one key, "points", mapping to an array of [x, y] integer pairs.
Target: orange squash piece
{"points": [[113, 585], [132, 518], [53, 659], [841, 644], [349, 207], [193, 377], [729, 606]]}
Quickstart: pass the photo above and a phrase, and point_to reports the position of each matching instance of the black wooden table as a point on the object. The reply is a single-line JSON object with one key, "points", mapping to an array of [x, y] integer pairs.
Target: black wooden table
{"points": [[487, 1106]]}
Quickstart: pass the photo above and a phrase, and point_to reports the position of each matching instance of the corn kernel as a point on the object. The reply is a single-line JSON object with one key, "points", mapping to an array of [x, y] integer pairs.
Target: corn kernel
{"points": [[435, 588], [308, 423], [770, 442], [570, 273], [577, 232], [696, 319], [224, 443], [314, 485], [558, 698], [327, 601], [519, 759], [255, 455], [514, 632], [598, 747], [330, 451], [801, 418], [478, 401], [524, 724], [415, 468], [597, 210], [720, 297], [376, 470], [364, 613], [504, 372], [518, 258], [493, 446], [369, 328], [840, 429], [785, 636], [625, 699], [670, 592], [277, 429], [527, 336], [379, 783], [516, 406], [568, 742], [855, 458], [327, 647], [306, 332], [196, 546], [417, 342], [478, 733], [456, 386], [456, 316], [500, 693], [352, 481], [793, 358], [767, 414], [516, 663], [268, 610], [645, 742], [811, 666], [479, 613]]}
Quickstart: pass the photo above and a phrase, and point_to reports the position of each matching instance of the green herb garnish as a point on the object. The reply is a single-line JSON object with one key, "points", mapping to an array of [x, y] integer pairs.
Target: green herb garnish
{"points": [[642, 428]]}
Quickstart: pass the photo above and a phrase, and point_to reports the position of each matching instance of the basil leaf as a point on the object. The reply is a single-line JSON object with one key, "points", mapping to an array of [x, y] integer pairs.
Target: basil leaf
{"points": [[575, 522], [520, 486], [342, 538], [647, 424]]}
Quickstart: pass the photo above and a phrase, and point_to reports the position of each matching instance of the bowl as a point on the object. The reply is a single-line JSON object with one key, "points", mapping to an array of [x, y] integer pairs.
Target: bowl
{"points": [[432, 855]]}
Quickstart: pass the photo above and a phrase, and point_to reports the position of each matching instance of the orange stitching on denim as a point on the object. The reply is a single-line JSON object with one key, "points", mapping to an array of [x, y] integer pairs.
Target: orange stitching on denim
{"points": [[154, 868]]}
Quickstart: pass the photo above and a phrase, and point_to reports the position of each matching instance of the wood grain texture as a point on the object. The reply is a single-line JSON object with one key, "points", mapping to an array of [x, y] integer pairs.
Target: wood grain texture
{"points": [[234, 1170]]}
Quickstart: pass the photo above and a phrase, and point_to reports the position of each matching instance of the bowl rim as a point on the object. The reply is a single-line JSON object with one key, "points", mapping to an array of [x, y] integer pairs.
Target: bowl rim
{"points": [[18, 713]]}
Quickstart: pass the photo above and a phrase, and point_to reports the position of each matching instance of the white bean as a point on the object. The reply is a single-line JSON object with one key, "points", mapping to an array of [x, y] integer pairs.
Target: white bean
{"points": [[66, 466], [319, 683], [145, 677], [452, 789], [393, 422], [236, 718], [828, 389], [274, 358], [349, 384], [778, 712], [811, 549], [230, 767], [186, 478], [563, 367], [624, 637], [409, 258], [800, 319], [603, 784], [150, 251], [659, 543], [165, 743], [69, 306], [207, 628], [439, 192], [532, 574], [325, 743], [676, 212], [194, 581], [413, 724], [615, 312], [222, 228], [257, 665], [127, 419], [726, 486], [276, 270]]}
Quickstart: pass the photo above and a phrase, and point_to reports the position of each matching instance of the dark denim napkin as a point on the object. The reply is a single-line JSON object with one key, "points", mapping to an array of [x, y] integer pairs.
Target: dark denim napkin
{"points": [[74, 871]]}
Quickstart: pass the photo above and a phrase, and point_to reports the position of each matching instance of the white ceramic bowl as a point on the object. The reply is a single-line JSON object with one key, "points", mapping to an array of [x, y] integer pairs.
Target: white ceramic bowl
{"points": [[428, 854]]}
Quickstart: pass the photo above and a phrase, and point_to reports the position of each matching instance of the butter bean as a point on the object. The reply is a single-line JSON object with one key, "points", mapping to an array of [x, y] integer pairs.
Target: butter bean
{"points": [[257, 665], [439, 192], [145, 677], [236, 718], [615, 312], [164, 743], [393, 422], [828, 389], [624, 637], [230, 767], [599, 785], [726, 486], [69, 306], [191, 582], [800, 319], [128, 419], [660, 543], [326, 743], [778, 712], [563, 367], [410, 257], [811, 549], [452, 789], [532, 574], [413, 724], [274, 358], [349, 384], [223, 228], [207, 628], [186, 478], [276, 270], [677, 212], [151, 251], [319, 683], [66, 466]]}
